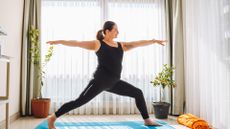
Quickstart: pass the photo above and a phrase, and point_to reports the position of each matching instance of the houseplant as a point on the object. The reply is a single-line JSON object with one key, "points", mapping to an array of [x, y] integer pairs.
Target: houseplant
{"points": [[39, 106], [2, 33], [163, 79]]}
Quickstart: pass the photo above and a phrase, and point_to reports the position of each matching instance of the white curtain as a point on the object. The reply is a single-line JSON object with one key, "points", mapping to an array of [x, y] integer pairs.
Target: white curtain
{"points": [[70, 69], [207, 64]]}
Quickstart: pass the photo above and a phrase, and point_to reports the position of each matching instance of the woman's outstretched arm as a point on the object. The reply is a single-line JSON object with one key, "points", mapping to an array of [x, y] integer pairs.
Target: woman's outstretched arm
{"points": [[89, 45], [130, 45]]}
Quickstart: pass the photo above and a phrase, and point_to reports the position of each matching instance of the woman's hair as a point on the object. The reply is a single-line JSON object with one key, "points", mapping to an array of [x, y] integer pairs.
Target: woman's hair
{"points": [[108, 25]]}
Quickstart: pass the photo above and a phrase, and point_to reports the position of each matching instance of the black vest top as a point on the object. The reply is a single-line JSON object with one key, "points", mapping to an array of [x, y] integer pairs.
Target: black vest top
{"points": [[109, 60]]}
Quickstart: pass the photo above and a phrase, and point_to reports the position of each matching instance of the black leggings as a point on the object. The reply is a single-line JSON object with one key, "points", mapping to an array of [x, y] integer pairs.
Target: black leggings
{"points": [[116, 86]]}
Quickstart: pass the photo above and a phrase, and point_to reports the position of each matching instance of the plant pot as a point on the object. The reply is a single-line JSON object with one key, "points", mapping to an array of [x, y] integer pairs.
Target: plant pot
{"points": [[40, 107], [161, 109]]}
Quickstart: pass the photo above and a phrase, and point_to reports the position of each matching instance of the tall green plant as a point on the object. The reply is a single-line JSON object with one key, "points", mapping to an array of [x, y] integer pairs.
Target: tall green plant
{"points": [[164, 78], [35, 51]]}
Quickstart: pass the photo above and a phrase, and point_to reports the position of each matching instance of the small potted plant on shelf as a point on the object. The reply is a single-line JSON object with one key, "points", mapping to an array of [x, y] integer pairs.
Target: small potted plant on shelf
{"points": [[163, 79], [2, 33], [40, 106]]}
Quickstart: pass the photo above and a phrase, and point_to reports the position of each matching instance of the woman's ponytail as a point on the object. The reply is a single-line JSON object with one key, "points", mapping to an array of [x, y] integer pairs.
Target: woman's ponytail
{"points": [[100, 35], [108, 25]]}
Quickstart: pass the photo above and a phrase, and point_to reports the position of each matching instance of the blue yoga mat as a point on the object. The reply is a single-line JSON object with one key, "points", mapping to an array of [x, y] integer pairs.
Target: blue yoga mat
{"points": [[104, 125]]}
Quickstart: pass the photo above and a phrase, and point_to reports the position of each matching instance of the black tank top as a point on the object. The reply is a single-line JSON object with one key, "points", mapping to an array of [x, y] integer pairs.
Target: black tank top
{"points": [[109, 60]]}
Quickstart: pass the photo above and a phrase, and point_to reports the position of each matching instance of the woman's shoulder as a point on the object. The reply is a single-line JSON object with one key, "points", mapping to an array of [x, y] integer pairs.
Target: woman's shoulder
{"points": [[122, 45]]}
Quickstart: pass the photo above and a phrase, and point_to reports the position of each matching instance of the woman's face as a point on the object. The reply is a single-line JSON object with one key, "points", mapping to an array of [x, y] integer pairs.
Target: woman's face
{"points": [[113, 33]]}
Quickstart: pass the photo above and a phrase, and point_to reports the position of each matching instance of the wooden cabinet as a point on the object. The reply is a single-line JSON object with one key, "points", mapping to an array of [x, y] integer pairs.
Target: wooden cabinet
{"points": [[5, 99]]}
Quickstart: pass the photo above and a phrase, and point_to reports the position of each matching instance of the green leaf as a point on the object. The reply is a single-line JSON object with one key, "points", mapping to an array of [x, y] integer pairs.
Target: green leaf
{"points": [[163, 78], [35, 52]]}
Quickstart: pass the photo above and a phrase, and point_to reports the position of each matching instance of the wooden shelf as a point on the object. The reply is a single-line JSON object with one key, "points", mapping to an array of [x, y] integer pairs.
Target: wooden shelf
{"points": [[5, 99], [4, 58]]}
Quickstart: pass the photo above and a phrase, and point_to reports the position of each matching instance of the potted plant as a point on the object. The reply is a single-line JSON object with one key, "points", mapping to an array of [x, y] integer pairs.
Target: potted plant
{"points": [[4, 34], [40, 106], [163, 79]]}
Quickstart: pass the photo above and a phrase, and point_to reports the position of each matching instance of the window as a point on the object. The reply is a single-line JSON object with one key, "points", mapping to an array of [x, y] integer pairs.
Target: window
{"points": [[70, 69]]}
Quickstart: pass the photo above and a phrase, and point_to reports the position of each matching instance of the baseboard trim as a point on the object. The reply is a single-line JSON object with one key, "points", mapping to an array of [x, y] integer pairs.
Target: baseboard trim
{"points": [[13, 118]]}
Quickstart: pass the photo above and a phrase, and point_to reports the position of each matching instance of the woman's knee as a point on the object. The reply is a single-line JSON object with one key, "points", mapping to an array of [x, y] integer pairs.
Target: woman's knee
{"points": [[138, 93]]}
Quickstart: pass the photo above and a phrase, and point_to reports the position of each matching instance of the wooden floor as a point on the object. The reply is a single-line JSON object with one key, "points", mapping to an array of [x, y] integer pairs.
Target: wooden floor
{"points": [[31, 122]]}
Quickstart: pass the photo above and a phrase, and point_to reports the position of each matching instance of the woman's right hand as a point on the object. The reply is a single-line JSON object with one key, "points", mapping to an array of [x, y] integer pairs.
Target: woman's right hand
{"points": [[53, 42], [161, 42]]}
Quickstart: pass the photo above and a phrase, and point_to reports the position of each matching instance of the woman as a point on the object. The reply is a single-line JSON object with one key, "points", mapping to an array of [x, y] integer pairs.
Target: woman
{"points": [[107, 74]]}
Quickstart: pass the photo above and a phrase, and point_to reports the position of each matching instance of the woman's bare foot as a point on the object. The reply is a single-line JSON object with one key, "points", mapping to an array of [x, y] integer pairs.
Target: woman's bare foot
{"points": [[51, 120], [150, 122]]}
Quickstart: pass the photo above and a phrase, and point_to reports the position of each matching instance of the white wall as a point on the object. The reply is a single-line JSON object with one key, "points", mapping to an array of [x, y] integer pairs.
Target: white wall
{"points": [[11, 13]]}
